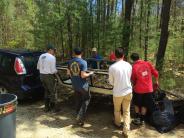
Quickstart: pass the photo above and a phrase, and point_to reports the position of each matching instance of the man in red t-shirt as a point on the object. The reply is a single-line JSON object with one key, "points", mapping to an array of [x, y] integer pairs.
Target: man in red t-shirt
{"points": [[112, 56], [142, 72]]}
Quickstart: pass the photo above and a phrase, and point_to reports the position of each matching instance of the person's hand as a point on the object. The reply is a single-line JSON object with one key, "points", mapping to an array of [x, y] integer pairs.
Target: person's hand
{"points": [[157, 82], [155, 86], [91, 73], [68, 72]]}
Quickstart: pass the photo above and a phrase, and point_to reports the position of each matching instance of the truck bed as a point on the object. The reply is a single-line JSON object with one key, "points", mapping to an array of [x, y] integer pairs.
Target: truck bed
{"points": [[98, 83]]}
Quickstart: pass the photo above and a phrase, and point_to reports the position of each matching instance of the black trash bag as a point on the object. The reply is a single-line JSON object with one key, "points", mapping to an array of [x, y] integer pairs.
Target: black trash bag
{"points": [[163, 119], [179, 111], [159, 94], [180, 115]]}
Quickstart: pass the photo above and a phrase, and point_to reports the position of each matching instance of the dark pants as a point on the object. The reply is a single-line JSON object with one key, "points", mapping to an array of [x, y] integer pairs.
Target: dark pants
{"points": [[145, 100], [82, 101], [48, 81]]}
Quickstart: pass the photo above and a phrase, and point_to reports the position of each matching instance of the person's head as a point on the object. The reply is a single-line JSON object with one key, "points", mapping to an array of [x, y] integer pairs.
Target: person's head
{"points": [[112, 52], [77, 51], [94, 51], [51, 49], [119, 53], [134, 57]]}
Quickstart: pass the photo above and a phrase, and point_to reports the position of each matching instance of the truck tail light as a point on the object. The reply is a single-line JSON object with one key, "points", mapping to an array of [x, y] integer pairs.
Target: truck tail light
{"points": [[19, 67]]}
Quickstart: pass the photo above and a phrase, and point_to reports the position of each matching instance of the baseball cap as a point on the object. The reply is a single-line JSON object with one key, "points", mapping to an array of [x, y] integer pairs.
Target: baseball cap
{"points": [[77, 50], [94, 49], [50, 47]]}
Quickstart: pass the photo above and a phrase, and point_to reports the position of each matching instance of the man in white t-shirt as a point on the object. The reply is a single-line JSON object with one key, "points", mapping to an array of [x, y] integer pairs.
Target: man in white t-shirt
{"points": [[120, 77], [47, 67]]}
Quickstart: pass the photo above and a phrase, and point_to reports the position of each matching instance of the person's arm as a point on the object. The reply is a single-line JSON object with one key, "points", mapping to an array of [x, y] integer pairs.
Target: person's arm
{"points": [[133, 76], [156, 80], [130, 73], [53, 66], [68, 70], [111, 78], [154, 72], [84, 74], [38, 64]]}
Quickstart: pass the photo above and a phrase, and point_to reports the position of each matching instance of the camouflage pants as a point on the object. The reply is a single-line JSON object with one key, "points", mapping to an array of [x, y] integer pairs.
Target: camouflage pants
{"points": [[49, 84]]}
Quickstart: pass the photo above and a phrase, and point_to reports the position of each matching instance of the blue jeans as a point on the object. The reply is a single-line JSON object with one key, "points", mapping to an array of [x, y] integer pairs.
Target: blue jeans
{"points": [[82, 101]]}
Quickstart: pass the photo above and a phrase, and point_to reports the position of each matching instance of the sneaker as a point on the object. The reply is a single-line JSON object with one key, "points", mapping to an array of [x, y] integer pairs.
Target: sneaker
{"points": [[125, 135], [46, 110], [137, 121], [55, 110], [81, 124], [119, 126], [79, 121], [142, 122], [54, 107]]}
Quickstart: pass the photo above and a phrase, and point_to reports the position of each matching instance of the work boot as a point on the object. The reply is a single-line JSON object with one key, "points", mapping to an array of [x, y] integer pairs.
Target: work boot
{"points": [[142, 119], [54, 107], [120, 126], [137, 121], [79, 121], [124, 135], [47, 105]]}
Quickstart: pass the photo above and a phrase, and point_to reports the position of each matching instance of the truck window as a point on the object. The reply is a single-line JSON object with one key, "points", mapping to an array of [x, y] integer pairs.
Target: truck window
{"points": [[7, 63], [30, 63], [1, 58]]}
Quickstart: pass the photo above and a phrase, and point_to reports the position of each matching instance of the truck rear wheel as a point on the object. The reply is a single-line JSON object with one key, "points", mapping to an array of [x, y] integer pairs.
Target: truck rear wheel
{"points": [[3, 90]]}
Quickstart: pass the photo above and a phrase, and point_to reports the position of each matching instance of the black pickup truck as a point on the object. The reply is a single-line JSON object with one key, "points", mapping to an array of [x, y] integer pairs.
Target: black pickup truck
{"points": [[19, 74]]}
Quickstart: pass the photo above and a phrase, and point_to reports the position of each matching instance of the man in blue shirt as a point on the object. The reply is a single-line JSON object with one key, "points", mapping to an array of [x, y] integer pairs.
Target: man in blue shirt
{"points": [[96, 59], [77, 70], [95, 54]]}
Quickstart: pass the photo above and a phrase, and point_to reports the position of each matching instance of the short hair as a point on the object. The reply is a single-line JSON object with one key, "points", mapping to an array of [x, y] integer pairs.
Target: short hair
{"points": [[77, 51], [50, 47], [134, 56], [119, 53]]}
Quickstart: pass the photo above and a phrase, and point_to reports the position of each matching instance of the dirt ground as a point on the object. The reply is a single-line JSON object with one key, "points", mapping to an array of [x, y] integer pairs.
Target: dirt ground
{"points": [[32, 122]]}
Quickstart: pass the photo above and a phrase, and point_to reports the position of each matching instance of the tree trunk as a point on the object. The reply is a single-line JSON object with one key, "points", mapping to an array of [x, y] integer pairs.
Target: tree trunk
{"points": [[174, 15], [84, 35], [78, 33], [116, 5], [164, 33], [133, 18], [62, 44], [61, 33], [147, 30], [84, 38], [108, 9], [91, 22], [69, 34], [104, 26], [158, 11], [98, 23], [112, 7], [140, 35], [123, 7], [127, 27]]}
